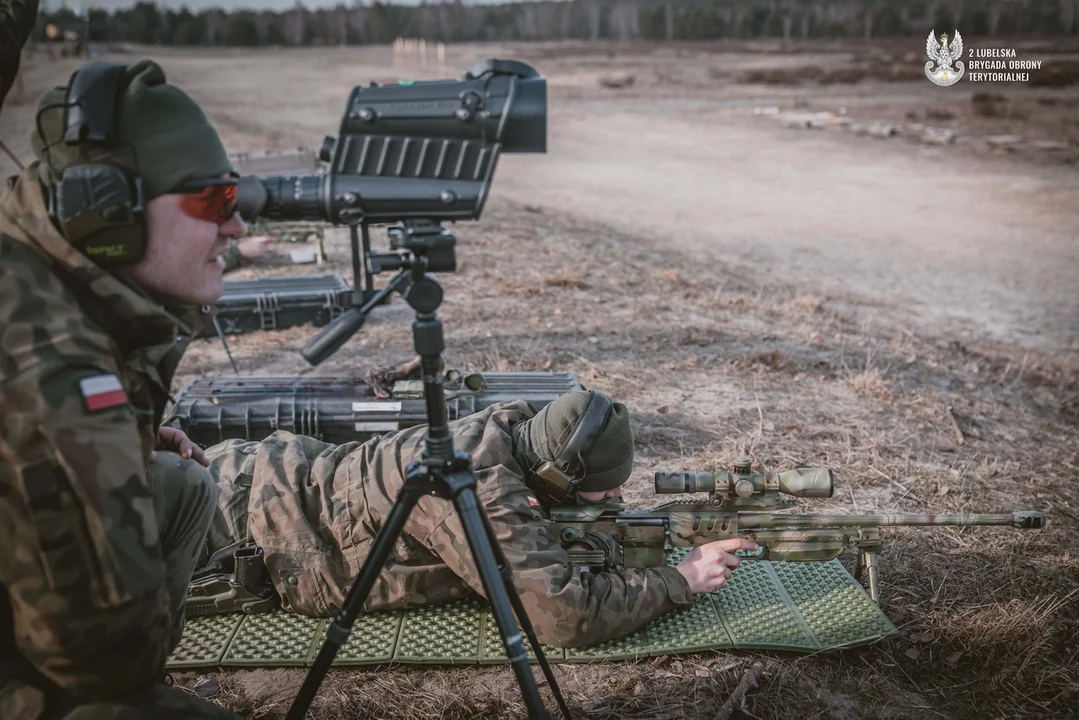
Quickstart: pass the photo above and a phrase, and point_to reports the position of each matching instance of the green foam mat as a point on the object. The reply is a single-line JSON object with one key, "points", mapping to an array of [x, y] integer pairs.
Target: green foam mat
{"points": [[757, 611], [274, 638], [442, 634], [205, 640], [493, 650], [832, 604], [692, 630], [802, 607], [373, 640]]}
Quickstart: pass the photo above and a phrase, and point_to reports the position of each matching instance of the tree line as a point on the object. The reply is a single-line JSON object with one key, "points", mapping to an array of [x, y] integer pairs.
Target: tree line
{"points": [[654, 20]]}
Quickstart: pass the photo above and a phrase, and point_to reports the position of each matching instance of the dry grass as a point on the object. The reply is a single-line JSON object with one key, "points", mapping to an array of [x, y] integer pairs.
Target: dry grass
{"points": [[807, 304], [870, 382], [989, 617], [565, 278]]}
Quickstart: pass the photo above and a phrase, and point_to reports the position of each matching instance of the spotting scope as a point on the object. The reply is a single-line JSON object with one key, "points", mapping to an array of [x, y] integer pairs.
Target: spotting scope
{"points": [[413, 150]]}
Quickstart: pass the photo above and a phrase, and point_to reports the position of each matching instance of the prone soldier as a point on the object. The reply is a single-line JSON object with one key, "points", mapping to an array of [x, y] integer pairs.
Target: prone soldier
{"points": [[312, 511], [110, 262]]}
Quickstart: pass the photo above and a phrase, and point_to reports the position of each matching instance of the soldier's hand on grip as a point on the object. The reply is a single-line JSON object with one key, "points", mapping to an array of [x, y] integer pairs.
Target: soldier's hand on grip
{"points": [[708, 567]]}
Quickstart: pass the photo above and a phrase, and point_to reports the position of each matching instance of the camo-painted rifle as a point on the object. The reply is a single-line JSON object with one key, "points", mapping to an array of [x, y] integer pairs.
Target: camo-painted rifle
{"points": [[644, 538]]}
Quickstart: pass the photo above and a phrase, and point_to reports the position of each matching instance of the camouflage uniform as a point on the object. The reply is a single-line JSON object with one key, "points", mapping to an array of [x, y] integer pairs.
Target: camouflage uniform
{"points": [[17, 20], [97, 544], [316, 508]]}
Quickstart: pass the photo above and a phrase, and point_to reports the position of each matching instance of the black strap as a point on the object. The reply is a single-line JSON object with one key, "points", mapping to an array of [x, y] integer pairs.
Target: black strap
{"points": [[589, 424], [91, 99]]}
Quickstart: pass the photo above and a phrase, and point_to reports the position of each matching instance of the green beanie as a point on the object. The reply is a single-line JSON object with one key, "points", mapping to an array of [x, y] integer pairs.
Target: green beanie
{"points": [[609, 461], [158, 133]]}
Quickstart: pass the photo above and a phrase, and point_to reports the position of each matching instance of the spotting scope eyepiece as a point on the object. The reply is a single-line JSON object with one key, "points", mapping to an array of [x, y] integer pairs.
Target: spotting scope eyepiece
{"points": [[410, 150]]}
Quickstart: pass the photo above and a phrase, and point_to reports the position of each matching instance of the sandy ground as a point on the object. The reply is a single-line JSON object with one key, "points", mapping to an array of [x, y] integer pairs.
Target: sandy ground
{"points": [[811, 297]]}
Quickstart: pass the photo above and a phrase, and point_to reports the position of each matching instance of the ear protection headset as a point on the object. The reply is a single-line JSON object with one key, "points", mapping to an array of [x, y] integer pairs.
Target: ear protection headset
{"points": [[562, 475], [98, 207]]}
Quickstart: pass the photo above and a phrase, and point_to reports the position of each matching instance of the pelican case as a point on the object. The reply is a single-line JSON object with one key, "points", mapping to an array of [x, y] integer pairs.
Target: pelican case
{"points": [[339, 409], [276, 303]]}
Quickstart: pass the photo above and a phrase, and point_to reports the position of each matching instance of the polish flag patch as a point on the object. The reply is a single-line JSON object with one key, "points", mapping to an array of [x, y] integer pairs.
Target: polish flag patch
{"points": [[101, 392], [533, 502]]}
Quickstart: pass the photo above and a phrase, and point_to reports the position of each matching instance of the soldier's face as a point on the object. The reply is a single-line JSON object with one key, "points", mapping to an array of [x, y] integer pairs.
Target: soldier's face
{"points": [[182, 263], [593, 498]]}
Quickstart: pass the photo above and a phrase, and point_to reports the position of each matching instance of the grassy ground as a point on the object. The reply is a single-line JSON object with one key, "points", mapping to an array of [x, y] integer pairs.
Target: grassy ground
{"points": [[714, 362]]}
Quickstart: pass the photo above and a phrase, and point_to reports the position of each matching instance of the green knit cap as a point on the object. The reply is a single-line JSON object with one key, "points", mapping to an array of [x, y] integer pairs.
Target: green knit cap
{"points": [[609, 461], [158, 133]]}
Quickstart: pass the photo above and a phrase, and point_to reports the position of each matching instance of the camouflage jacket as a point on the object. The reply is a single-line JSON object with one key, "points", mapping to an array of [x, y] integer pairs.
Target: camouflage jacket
{"points": [[316, 508], [17, 20], [87, 598]]}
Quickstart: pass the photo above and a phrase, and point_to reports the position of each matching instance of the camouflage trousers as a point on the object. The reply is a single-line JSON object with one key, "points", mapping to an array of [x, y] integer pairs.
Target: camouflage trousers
{"points": [[184, 501]]}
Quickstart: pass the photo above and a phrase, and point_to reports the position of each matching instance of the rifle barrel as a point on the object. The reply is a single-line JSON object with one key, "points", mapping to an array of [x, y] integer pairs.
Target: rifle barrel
{"points": [[1019, 519]]}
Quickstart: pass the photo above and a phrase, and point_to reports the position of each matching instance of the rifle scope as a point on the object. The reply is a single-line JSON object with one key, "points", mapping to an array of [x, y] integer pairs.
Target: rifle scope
{"points": [[412, 150], [800, 482]]}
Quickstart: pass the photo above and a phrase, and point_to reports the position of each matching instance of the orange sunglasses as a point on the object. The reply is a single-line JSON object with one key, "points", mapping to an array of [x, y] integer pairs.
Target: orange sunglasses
{"points": [[209, 199]]}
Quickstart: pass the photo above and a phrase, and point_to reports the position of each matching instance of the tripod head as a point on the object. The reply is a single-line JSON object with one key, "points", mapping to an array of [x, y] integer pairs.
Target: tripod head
{"points": [[423, 239], [424, 246]]}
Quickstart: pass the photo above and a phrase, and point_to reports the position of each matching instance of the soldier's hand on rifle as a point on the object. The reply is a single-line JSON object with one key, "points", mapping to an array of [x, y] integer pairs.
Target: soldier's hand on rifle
{"points": [[255, 246], [707, 567], [174, 439]]}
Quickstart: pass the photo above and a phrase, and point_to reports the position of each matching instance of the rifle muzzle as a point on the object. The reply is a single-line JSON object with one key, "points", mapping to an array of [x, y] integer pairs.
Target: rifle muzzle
{"points": [[1029, 519]]}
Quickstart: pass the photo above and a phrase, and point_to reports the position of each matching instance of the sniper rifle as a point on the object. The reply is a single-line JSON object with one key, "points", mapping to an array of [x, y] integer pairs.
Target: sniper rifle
{"points": [[739, 505]]}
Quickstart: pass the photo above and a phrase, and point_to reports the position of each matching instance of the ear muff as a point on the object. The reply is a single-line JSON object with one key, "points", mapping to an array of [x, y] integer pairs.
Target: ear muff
{"points": [[99, 207], [562, 475]]}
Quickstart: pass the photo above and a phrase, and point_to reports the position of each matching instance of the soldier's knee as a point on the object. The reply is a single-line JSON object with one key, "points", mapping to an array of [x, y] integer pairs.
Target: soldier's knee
{"points": [[243, 447], [183, 480]]}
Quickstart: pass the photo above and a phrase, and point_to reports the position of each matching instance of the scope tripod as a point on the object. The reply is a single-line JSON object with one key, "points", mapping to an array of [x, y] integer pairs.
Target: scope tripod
{"points": [[443, 471]]}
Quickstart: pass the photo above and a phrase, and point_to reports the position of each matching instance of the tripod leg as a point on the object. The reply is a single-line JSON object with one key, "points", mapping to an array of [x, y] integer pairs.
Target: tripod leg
{"points": [[340, 628], [482, 553], [522, 616]]}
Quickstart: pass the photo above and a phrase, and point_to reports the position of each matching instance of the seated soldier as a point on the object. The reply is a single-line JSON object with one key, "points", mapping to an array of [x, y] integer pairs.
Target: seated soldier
{"points": [[316, 508], [110, 263]]}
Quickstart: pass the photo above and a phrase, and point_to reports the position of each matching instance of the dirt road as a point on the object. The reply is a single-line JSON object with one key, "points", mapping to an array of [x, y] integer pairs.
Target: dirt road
{"points": [[956, 245]]}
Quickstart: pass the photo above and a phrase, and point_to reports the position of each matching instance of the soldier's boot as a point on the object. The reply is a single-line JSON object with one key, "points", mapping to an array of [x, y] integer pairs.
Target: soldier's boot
{"points": [[184, 497]]}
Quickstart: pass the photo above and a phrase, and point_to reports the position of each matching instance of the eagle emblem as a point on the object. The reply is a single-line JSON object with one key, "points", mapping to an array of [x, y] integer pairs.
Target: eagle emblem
{"points": [[945, 55]]}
